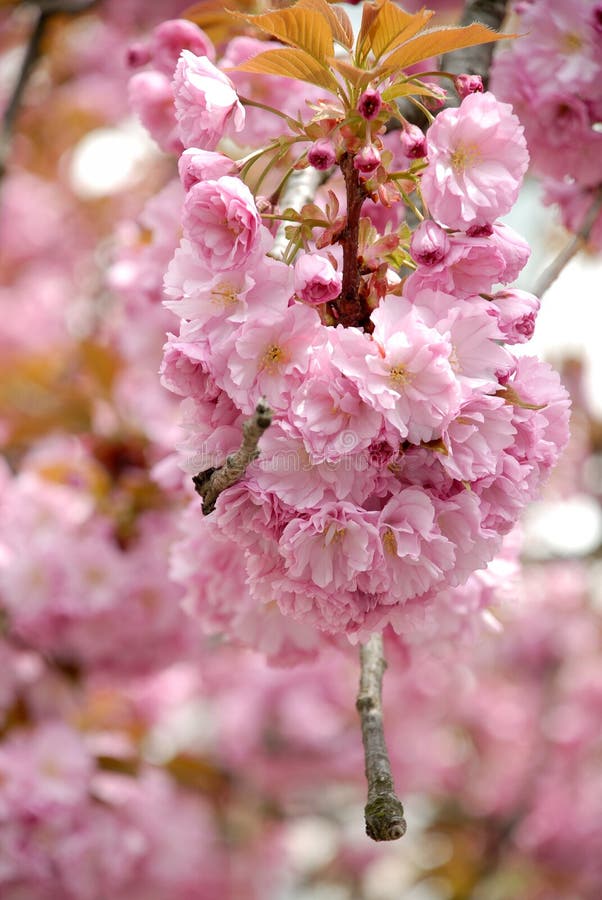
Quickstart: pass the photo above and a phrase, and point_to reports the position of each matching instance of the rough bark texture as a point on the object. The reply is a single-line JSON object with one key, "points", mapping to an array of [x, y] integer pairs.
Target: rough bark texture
{"points": [[468, 61], [212, 482], [42, 12], [476, 60], [383, 811], [550, 274], [349, 304], [300, 189]]}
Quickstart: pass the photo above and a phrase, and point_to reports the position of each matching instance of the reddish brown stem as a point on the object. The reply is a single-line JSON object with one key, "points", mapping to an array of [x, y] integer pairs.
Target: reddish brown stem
{"points": [[349, 304]]}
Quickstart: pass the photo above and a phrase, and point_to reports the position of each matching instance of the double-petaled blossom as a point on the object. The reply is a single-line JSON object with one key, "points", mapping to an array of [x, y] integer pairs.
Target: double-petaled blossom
{"points": [[515, 311], [206, 102], [316, 279], [404, 370], [477, 159], [222, 223]]}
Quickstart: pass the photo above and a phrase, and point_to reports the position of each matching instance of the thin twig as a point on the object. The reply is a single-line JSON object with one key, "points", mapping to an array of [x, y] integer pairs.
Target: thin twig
{"points": [[384, 810], [32, 53], [212, 482], [581, 238], [300, 189], [43, 12]]}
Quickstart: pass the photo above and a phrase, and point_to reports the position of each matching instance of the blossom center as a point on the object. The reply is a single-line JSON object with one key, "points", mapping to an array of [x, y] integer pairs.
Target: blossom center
{"points": [[389, 542], [224, 294], [399, 376], [272, 358], [572, 42], [454, 360], [333, 535], [465, 156]]}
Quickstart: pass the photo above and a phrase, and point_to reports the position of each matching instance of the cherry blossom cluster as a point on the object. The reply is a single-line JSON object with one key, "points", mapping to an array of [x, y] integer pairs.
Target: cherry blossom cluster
{"points": [[552, 76], [406, 441], [70, 573]]}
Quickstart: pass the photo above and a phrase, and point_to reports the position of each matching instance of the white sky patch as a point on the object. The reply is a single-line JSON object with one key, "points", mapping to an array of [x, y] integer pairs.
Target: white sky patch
{"points": [[571, 528], [107, 160]]}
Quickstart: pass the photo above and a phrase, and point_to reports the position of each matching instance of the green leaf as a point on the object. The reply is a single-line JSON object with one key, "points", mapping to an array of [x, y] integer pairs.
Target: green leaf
{"points": [[407, 89]]}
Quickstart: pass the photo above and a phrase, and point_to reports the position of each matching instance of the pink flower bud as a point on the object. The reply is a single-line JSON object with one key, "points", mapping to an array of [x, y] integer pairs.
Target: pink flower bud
{"points": [[429, 244], [484, 230], [515, 311], [597, 18], [316, 279], [203, 165], [137, 55], [468, 84], [322, 155], [413, 142], [370, 104], [173, 36], [367, 161], [151, 98], [207, 106], [438, 101]]}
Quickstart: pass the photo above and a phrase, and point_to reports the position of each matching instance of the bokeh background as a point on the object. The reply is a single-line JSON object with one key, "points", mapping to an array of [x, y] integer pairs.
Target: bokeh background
{"points": [[142, 758]]}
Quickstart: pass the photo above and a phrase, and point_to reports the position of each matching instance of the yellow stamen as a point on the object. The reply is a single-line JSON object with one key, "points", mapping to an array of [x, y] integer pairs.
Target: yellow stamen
{"points": [[389, 542], [464, 157], [399, 376], [571, 42], [333, 534], [224, 294], [273, 357]]}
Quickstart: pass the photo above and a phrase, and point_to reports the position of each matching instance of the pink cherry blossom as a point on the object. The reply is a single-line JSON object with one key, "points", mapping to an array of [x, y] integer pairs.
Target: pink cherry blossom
{"points": [[515, 311], [330, 415], [430, 244], [195, 292], [416, 555], [270, 357], [206, 103], [222, 223], [332, 547], [171, 37], [404, 370], [477, 159], [316, 279], [322, 155], [151, 97], [196, 165]]}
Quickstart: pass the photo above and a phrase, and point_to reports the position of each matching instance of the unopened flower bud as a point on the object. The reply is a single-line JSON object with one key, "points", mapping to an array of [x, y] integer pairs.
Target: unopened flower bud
{"points": [[370, 104], [203, 165], [468, 84], [322, 155], [515, 311], [430, 244], [367, 161], [413, 142], [440, 97], [597, 18], [483, 230], [171, 37], [137, 55], [316, 279]]}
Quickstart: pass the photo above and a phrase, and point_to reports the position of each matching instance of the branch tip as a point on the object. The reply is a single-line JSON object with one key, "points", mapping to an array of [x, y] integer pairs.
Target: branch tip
{"points": [[384, 810], [210, 483]]}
